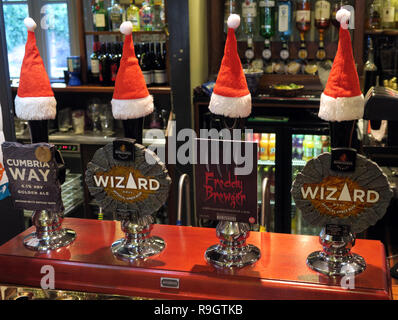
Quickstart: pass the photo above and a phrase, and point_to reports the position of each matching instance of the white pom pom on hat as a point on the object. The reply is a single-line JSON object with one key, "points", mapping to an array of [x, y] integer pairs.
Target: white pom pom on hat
{"points": [[233, 21], [343, 16], [30, 24], [126, 28]]}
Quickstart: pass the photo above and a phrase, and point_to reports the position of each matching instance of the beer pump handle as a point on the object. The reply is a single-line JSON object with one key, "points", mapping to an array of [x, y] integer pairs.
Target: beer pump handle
{"points": [[133, 129], [38, 130], [265, 204], [184, 183]]}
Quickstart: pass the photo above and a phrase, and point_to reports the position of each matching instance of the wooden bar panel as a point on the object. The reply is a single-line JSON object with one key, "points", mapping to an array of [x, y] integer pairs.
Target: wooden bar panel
{"points": [[89, 265]]}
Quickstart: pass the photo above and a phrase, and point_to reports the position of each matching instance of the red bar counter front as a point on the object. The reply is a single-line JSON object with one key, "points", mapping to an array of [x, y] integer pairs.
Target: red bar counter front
{"points": [[88, 265]]}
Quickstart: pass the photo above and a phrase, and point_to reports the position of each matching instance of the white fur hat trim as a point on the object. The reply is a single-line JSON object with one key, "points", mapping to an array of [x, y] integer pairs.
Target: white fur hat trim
{"points": [[233, 107], [341, 109], [133, 108], [35, 108]]}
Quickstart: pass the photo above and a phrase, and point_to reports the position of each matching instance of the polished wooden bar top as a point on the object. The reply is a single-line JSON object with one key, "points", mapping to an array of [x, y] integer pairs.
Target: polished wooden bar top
{"points": [[89, 265]]}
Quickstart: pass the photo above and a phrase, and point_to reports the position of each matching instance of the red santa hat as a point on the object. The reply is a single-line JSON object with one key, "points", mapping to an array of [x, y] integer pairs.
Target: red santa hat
{"points": [[231, 96], [131, 98], [342, 99], [35, 98]]}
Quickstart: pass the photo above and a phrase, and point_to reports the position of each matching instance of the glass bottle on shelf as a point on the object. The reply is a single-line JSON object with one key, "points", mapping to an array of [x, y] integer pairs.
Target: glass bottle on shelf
{"points": [[146, 64], [373, 20], [229, 8], [124, 4], [94, 62], [104, 66], [322, 14], [160, 77], [133, 15], [115, 14], [158, 15], [267, 18], [303, 24], [322, 22], [249, 15], [100, 16], [284, 24], [109, 56], [303, 15], [284, 28], [146, 16], [388, 15], [152, 53], [267, 30], [114, 63], [370, 68]]}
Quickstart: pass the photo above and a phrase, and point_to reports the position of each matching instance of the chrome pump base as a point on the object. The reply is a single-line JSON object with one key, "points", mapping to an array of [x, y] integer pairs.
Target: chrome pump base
{"points": [[336, 259], [137, 244], [49, 235], [232, 251]]}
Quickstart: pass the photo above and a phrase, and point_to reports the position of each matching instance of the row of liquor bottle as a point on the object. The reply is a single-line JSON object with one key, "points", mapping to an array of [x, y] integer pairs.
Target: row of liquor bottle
{"points": [[144, 15], [270, 17], [274, 20], [382, 14], [105, 62]]}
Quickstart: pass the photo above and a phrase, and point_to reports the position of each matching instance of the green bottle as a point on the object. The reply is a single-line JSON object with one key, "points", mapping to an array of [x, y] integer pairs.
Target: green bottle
{"points": [[267, 18], [100, 16]]}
